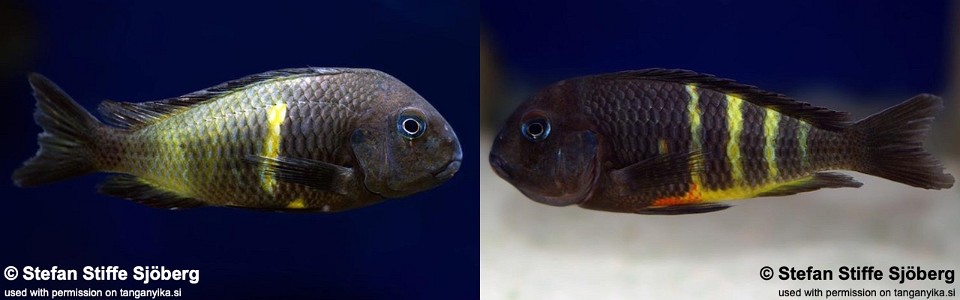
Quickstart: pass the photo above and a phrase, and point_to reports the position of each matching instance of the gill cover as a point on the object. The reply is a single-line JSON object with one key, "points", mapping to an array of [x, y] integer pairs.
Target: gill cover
{"points": [[576, 168], [557, 170]]}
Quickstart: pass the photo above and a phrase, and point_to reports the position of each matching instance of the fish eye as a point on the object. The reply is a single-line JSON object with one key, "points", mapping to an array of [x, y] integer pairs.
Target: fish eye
{"points": [[536, 129], [411, 126]]}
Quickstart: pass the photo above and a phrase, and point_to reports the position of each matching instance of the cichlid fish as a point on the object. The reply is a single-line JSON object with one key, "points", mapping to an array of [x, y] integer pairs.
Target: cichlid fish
{"points": [[670, 142], [310, 139]]}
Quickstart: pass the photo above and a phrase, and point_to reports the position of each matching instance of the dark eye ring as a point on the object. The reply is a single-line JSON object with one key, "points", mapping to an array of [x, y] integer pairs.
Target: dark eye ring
{"points": [[536, 129], [411, 127]]}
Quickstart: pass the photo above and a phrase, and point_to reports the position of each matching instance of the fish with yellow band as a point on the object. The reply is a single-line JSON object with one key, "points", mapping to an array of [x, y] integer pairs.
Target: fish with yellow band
{"points": [[669, 142], [309, 139]]}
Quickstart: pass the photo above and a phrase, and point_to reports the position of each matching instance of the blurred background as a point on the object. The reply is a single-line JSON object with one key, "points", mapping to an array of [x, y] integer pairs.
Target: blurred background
{"points": [[846, 55], [423, 246]]}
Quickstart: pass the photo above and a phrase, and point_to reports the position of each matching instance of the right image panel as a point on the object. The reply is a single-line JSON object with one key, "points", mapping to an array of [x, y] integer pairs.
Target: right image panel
{"points": [[719, 149]]}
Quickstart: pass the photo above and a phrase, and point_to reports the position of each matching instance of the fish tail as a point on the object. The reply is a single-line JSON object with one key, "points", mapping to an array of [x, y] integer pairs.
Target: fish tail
{"points": [[67, 141], [893, 141]]}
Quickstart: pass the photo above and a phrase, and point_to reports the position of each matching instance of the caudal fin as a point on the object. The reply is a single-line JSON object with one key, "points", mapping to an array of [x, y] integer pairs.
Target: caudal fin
{"points": [[66, 141], [894, 144]]}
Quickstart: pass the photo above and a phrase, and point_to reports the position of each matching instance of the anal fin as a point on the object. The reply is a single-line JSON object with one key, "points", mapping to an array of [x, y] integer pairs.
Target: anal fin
{"points": [[137, 190], [817, 181], [685, 209]]}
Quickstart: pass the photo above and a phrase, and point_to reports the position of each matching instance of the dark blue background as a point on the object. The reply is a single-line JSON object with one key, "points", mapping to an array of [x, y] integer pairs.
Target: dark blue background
{"points": [[863, 47], [424, 246]]}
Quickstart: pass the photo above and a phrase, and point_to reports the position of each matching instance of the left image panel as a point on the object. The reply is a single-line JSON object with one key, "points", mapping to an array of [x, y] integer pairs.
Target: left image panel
{"points": [[289, 150]]}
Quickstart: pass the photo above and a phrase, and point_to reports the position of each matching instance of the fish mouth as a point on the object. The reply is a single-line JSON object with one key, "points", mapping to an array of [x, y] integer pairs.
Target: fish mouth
{"points": [[448, 171], [499, 166], [451, 167]]}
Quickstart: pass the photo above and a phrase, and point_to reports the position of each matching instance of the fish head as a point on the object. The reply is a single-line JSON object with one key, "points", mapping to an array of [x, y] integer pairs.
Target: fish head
{"points": [[405, 146], [546, 152]]}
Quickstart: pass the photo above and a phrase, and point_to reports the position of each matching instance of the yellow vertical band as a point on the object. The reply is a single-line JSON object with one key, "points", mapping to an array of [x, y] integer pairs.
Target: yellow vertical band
{"points": [[771, 125], [695, 144], [804, 130], [735, 127], [297, 204], [271, 142]]}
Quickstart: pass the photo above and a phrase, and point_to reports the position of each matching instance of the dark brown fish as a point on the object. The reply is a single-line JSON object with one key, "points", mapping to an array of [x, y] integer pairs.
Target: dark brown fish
{"points": [[310, 139], [676, 142]]}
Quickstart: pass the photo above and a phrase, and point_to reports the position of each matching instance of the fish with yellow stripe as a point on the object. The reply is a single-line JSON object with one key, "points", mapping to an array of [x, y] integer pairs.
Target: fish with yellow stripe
{"points": [[308, 139], [669, 142]]}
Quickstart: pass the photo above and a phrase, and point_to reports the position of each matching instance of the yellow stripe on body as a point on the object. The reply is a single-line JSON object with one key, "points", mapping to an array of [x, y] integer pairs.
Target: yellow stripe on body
{"points": [[697, 192], [695, 144], [693, 194], [735, 128], [804, 130], [770, 130], [739, 190], [271, 142]]}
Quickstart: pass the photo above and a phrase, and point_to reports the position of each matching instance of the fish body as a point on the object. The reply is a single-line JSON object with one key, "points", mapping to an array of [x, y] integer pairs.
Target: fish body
{"points": [[311, 139], [662, 141]]}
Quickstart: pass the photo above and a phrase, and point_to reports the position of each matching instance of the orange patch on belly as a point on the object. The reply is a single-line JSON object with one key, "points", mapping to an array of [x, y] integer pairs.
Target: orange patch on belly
{"points": [[691, 196]]}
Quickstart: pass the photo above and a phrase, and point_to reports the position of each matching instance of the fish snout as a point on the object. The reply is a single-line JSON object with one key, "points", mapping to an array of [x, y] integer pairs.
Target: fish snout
{"points": [[453, 166]]}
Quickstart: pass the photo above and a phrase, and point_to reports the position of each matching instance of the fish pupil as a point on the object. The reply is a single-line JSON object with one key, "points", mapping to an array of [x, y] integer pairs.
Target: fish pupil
{"points": [[411, 126], [536, 129]]}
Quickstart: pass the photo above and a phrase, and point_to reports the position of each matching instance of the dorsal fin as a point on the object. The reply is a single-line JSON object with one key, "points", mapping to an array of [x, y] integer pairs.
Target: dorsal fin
{"points": [[819, 117], [134, 115]]}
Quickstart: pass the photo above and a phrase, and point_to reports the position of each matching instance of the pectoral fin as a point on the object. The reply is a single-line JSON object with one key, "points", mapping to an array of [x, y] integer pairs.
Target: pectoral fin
{"points": [[656, 172], [683, 209], [316, 174]]}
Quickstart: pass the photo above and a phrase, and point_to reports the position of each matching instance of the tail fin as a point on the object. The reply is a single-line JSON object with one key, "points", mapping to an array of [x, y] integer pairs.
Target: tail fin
{"points": [[66, 141], [894, 144]]}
